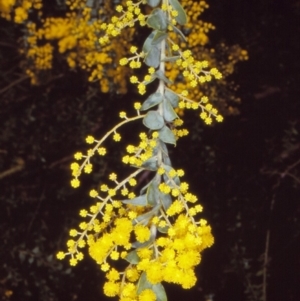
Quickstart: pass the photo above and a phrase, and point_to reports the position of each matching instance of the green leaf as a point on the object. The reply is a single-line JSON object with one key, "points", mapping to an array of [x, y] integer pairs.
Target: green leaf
{"points": [[153, 100], [143, 283], [160, 292], [153, 3], [158, 20], [148, 43], [166, 158], [153, 120], [153, 78], [132, 257], [145, 218], [143, 190], [159, 74], [165, 199], [138, 201], [167, 136], [172, 97], [158, 37], [152, 57], [163, 229], [176, 29], [181, 18], [138, 244], [158, 288], [169, 113], [153, 193], [150, 164], [171, 58]]}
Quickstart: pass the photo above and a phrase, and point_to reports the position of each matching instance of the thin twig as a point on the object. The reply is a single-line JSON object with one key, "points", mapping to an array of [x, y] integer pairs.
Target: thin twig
{"points": [[12, 170], [293, 176], [14, 83], [62, 160]]}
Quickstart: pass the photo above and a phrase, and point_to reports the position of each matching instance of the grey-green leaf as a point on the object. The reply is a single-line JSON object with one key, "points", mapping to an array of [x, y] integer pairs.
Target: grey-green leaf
{"points": [[169, 113], [177, 30], [153, 100], [159, 74], [160, 292], [181, 18], [150, 164], [158, 289], [158, 20], [153, 3], [143, 190], [172, 97], [143, 283], [153, 193], [153, 78], [152, 57], [171, 58], [163, 229], [165, 199], [153, 120], [145, 218], [166, 158], [138, 201], [167, 136], [148, 43], [158, 37], [132, 257]]}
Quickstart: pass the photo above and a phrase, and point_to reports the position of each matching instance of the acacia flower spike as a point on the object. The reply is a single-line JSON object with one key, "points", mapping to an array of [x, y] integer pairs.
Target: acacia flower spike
{"points": [[104, 202], [211, 111], [112, 131]]}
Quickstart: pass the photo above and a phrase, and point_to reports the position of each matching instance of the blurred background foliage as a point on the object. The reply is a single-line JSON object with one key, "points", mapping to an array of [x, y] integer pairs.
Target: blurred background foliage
{"points": [[245, 170]]}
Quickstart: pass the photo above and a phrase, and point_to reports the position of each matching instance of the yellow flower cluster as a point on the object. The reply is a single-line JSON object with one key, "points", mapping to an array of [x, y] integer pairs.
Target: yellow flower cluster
{"points": [[160, 243], [180, 253], [196, 42], [194, 73], [131, 13], [18, 8], [76, 36], [207, 110], [157, 230], [130, 232], [86, 166], [144, 151]]}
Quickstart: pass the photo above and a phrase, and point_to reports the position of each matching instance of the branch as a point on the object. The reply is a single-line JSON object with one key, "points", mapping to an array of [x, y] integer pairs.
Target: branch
{"points": [[19, 80], [13, 170]]}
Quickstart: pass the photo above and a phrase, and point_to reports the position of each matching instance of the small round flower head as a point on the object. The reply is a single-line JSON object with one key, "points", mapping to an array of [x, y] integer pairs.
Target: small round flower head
{"points": [[122, 114], [137, 105], [117, 137], [75, 183], [101, 151], [78, 156], [60, 255], [90, 139], [113, 177]]}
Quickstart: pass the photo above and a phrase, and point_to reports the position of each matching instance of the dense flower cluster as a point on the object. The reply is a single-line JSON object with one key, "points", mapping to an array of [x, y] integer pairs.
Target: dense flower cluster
{"points": [[75, 37], [18, 9], [224, 59]]}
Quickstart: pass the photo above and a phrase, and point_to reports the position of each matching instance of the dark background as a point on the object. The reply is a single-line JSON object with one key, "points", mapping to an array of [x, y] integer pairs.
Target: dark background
{"points": [[245, 170]]}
